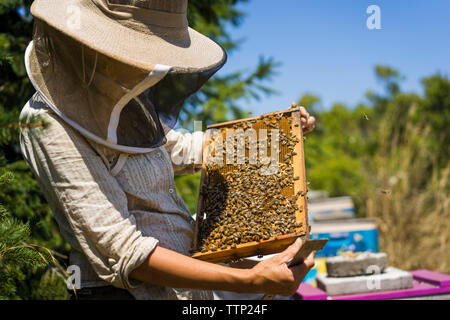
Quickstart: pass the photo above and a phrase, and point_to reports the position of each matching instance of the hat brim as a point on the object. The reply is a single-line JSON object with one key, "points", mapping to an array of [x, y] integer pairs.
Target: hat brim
{"points": [[83, 21]]}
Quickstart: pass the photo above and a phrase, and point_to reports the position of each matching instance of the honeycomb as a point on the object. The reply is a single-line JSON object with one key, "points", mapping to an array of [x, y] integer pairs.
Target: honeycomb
{"points": [[256, 192]]}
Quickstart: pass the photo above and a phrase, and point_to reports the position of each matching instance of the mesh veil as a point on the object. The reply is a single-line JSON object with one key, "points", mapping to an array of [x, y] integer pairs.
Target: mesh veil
{"points": [[121, 106]]}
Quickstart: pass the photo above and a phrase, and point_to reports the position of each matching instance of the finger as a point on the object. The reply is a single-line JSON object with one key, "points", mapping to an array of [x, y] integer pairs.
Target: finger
{"points": [[290, 251], [301, 270], [310, 125], [303, 112], [309, 261]]}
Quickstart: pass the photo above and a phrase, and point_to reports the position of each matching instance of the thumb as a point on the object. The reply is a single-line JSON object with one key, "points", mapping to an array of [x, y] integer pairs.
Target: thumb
{"points": [[290, 251]]}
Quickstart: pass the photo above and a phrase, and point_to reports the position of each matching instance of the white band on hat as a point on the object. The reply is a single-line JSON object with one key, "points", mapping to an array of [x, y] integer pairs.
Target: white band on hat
{"points": [[153, 78]]}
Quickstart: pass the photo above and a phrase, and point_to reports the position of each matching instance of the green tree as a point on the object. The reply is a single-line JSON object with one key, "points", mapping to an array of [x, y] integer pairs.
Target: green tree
{"points": [[436, 107], [22, 260], [15, 88], [16, 256]]}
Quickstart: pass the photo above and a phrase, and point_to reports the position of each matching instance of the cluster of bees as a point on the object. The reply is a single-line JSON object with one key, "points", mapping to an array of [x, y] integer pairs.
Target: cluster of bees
{"points": [[242, 203]]}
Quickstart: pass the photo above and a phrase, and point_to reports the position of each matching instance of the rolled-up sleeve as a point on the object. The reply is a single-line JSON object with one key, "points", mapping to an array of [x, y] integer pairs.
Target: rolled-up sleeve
{"points": [[185, 149], [77, 182]]}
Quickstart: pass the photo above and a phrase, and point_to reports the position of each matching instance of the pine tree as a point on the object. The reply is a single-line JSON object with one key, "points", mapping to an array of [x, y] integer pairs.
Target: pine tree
{"points": [[27, 269], [16, 256], [20, 259]]}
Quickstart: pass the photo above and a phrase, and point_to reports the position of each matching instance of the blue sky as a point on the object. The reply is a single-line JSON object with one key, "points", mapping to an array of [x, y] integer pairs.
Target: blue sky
{"points": [[326, 48]]}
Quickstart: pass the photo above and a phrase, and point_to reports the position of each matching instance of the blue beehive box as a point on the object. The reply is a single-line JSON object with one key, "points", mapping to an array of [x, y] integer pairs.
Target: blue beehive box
{"points": [[358, 235]]}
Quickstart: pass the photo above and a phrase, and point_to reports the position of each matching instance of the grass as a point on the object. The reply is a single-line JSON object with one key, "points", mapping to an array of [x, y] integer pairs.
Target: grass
{"points": [[409, 195]]}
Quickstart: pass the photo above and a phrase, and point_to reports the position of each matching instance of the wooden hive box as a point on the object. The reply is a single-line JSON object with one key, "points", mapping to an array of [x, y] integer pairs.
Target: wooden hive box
{"points": [[240, 214]]}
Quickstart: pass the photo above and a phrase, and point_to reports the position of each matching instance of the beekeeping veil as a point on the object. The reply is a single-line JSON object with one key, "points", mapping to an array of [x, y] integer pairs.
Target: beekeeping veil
{"points": [[118, 71]]}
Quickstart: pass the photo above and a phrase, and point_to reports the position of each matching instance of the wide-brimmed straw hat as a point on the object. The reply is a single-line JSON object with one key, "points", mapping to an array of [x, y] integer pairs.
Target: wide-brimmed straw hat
{"points": [[140, 33], [118, 71]]}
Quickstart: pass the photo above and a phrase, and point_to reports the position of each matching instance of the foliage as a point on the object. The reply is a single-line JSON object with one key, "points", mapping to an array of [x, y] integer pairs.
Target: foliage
{"points": [[15, 256], [188, 186], [20, 259], [15, 87]]}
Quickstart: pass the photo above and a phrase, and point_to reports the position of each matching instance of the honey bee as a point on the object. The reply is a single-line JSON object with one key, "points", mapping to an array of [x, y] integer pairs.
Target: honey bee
{"points": [[241, 204]]}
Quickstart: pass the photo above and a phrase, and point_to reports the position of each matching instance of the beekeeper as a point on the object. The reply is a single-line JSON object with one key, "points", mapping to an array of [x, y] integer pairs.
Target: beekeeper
{"points": [[111, 77]]}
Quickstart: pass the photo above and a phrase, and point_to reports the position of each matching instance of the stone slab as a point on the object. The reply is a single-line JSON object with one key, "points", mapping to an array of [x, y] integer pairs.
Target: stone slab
{"points": [[391, 279], [363, 264]]}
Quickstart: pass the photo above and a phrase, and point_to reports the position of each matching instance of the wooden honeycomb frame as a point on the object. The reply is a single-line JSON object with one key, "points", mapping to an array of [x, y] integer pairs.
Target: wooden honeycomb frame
{"points": [[274, 244]]}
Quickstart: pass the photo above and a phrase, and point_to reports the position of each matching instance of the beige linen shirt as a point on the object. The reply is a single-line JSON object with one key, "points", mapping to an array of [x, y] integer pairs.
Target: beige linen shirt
{"points": [[113, 208]]}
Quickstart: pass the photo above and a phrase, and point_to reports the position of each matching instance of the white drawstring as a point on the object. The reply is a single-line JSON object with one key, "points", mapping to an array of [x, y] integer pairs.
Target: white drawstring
{"points": [[158, 73], [119, 164], [84, 68]]}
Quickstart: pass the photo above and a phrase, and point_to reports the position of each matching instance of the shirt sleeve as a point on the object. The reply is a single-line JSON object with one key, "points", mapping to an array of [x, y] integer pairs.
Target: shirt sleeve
{"points": [[185, 150], [77, 182]]}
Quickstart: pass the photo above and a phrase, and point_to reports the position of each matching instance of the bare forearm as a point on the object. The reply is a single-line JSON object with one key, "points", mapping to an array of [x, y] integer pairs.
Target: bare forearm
{"points": [[168, 268]]}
